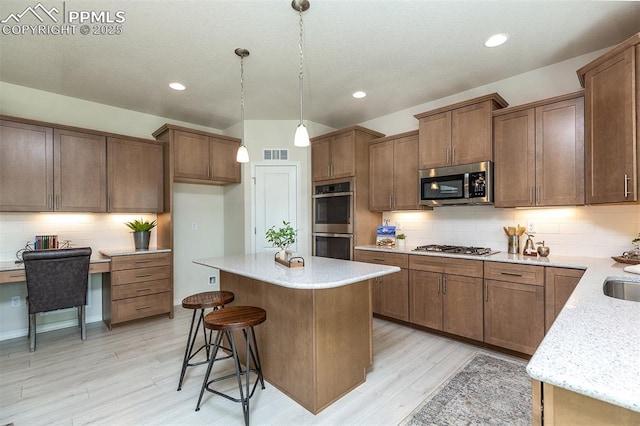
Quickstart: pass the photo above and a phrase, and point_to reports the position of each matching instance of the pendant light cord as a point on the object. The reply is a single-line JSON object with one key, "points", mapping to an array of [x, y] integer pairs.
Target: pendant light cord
{"points": [[301, 72]]}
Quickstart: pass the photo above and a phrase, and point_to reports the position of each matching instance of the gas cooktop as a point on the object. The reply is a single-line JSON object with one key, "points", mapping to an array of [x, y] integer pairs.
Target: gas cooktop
{"points": [[474, 251]]}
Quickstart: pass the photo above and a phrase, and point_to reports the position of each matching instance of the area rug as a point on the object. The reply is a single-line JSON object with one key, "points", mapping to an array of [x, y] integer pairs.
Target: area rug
{"points": [[487, 391]]}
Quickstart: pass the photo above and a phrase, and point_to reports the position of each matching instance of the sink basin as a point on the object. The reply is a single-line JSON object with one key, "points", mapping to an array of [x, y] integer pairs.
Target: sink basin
{"points": [[620, 289]]}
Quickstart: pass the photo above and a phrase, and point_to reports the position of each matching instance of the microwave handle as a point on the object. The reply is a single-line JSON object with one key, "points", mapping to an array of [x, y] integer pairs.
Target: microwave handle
{"points": [[466, 185]]}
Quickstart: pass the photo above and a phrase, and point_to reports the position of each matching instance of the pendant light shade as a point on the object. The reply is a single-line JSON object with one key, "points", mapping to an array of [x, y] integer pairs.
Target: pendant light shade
{"points": [[301, 137], [242, 155]]}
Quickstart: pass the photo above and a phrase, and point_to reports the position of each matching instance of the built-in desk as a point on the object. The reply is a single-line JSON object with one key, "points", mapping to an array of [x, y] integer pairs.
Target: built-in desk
{"points": [[11, 272]]}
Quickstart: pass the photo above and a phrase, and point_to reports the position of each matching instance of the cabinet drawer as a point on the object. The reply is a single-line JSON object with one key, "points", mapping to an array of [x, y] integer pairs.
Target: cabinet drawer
{"points": [[140, 289], [119, 263], [514, 272], [140, 307], [446, 265], [382, 258], [129, 276]]}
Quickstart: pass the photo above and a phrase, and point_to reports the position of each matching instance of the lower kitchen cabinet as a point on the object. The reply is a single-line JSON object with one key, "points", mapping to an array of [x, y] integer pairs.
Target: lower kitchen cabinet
{"points": [[138, 286], [443, 300], [559, 284], [514, 306], [553, 405], [390, 293]]}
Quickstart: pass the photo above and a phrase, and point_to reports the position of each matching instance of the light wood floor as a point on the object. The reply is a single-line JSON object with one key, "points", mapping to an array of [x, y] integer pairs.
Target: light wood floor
{"points": [[129, 376]]}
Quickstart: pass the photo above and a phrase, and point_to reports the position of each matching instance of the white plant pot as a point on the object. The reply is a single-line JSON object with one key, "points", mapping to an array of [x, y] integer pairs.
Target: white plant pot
{"points": [[400, 243], [282, 254]]}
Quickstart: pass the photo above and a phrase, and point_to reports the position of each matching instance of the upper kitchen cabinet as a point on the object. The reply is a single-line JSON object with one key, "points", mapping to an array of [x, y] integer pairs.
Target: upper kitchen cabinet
{"points": [[45, 169], [459, 133], [26, 167], [201, 157], [337, 154], [612, 154], [393, 173], [539, 153], [135, 175]]}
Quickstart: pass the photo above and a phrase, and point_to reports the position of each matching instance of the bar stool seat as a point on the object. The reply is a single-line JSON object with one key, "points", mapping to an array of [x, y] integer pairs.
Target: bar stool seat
{"points": [[226, 321], [201, 301]]}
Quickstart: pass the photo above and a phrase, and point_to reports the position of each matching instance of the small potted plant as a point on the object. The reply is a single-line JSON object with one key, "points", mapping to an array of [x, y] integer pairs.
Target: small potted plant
{"points": [[282, 238], [401, 240], [141, 232]]}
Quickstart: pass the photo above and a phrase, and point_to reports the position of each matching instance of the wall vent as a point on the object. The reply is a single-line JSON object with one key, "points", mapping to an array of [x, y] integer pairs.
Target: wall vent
{"points": [[275, 154]]}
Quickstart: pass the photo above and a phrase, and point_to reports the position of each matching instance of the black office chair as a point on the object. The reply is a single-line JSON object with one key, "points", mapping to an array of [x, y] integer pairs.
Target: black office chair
{"points": [[56, 279]]}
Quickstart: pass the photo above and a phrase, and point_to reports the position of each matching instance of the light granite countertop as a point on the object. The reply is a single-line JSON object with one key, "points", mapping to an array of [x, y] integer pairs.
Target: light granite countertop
{"points": [[317, 273], [593, 347]]}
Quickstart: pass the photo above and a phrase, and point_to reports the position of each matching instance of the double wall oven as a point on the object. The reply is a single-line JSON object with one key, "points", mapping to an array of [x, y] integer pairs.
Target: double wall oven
{"points": [[333, 220]]}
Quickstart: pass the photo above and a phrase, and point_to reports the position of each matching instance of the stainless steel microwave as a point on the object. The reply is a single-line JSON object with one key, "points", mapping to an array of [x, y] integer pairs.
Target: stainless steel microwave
{"points": [[457, 185]]}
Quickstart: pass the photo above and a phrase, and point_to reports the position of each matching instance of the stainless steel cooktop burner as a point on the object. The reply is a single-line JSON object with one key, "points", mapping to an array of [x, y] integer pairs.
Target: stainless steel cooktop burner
{"points": [[474, 251]]}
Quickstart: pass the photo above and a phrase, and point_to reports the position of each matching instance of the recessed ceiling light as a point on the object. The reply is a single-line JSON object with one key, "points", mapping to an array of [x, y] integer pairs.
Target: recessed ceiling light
{"points": [[359, 94], [496, 40], [177, 86]]}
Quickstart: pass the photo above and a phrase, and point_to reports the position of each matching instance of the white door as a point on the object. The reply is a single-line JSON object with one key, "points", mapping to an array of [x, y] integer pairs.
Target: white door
{"points": [[275, 200]]}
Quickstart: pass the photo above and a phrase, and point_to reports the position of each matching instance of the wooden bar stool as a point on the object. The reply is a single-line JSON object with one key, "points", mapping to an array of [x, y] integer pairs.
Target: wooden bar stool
{"points": [[201, 301], [226, 321]]}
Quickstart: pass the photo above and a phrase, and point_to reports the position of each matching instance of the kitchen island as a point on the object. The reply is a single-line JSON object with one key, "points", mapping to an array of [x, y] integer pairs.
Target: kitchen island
{"points": [[316, 344]]}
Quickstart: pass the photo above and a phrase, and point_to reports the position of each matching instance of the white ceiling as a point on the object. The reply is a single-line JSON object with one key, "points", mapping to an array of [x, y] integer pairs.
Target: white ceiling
{"points": [[402, 53]]}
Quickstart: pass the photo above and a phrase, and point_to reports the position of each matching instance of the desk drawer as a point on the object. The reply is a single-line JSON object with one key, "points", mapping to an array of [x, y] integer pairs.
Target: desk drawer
{"points": [[141, 289], [16, 276], [140, 307], [140, 275], [136, 261]]}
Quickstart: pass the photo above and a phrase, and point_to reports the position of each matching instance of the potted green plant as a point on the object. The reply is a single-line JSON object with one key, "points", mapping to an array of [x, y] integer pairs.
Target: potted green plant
{"points": [[401, 239], [282, 238], [141, 232]]}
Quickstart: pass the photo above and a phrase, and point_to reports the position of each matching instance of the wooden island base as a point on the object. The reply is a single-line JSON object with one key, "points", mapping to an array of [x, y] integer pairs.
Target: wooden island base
{"points": [[315, 345]]}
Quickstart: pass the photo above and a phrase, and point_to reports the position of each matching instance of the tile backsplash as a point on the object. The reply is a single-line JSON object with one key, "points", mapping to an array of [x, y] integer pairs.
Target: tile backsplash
{"points": [[594, 231], [94, 230]]}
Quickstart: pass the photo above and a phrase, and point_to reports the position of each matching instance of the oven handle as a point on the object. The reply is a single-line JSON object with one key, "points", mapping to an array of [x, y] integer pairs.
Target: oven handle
{"points": [[324, 234], [333, 194]]}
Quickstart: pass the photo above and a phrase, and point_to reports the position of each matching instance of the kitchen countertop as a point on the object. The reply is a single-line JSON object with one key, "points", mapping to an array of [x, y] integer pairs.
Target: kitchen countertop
{"points": [[127, 251], [317, 272], [593, 347]]}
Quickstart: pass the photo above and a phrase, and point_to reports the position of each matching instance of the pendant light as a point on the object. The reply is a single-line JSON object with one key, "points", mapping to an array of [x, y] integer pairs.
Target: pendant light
{"points": [[243, 155], [302, 135]]}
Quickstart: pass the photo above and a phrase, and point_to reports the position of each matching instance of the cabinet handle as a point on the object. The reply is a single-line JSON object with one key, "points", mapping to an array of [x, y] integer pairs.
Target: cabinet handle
{"points": [[439, 284], [626, 185], [448, 153], [143, 275], [486, 292], [17, 276], [513, 274], [538, 194], [49, 201], [531, 195], [444, 285], [208, 171], [109, 203], [453, 154], [144, 289], [143, 261], [377, 259], [142, 308]]}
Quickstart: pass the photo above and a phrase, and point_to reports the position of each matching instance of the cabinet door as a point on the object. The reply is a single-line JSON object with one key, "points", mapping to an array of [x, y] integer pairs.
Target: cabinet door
{"points": [[395, 295], [135, 176], [425, 299], [381, 176], [514, 315], [471, 134], [343, 155], [560, 153], [191, 156], [610, 131], [321, 159], [514, 139], [463, 306], [224, 167], [80, 172], [405, 173], [435, 141], [26, 167], [559, 284]]}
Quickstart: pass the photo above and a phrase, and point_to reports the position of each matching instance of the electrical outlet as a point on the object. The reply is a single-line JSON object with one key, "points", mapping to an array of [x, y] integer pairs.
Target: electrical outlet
{"points": [[531, 228], [15, 301], [194, 226], [212, 280]]}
